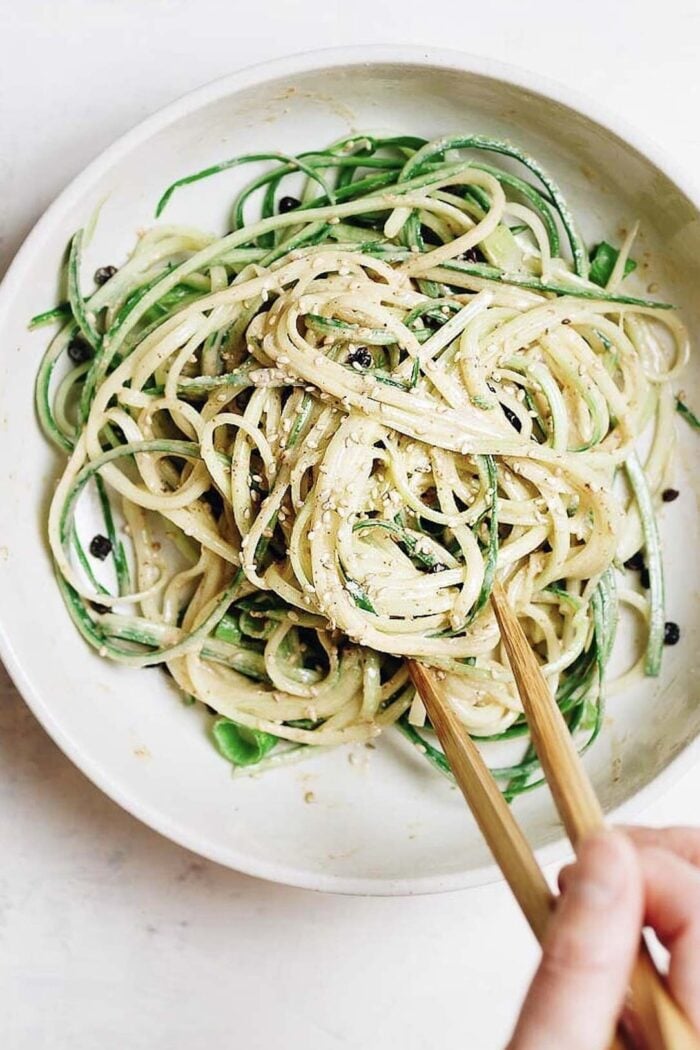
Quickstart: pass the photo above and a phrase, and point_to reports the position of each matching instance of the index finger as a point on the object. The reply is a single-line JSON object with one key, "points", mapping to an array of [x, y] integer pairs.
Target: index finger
{"points": [[672, 909], [683, 841]]}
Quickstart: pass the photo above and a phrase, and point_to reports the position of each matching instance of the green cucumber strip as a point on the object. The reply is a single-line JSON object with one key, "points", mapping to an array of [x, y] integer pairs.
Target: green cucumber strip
{"points": [[652, 548], [331, 326], [405, 538], [58, 313], [294, 163], [359, 597], [436, 757], [85, 564], [603, 259], [241, 745], [75, 298], [228, 630], [688, 414], [492, 273], [121, 565], [492, 549]]}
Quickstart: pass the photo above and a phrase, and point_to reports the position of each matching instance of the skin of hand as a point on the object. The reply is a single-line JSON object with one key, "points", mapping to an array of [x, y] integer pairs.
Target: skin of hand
{"points": [[622, 881]]}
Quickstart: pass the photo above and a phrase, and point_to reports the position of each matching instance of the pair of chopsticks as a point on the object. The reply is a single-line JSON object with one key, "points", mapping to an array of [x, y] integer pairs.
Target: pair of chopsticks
{"points": [[664, 1025]]}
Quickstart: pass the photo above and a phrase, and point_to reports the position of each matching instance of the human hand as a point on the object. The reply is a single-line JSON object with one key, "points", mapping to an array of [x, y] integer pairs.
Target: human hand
{"points": [[622, 881]]}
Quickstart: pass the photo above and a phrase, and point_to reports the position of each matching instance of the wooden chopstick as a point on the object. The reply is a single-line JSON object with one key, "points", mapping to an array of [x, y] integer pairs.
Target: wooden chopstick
{"points": [[504, 837], [503, 834], [664, 1025], [575, 799]]}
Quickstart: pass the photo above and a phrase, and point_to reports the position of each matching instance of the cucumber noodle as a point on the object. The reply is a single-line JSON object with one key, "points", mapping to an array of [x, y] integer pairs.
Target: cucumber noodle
{"points": [[316, 440]]}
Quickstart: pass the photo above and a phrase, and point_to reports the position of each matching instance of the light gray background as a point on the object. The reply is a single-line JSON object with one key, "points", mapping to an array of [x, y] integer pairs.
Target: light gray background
{"points": [[110, 936]]}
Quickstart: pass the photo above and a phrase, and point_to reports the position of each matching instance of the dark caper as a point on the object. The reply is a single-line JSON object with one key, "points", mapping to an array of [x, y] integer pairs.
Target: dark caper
{"points": [[361, 357], [100, 547], [103, 274], [214, 500], [79, 350], [512, 418]]}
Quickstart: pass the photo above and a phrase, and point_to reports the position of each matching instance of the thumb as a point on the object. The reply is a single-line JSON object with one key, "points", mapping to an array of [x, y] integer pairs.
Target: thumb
{"points": [[578, 991]]}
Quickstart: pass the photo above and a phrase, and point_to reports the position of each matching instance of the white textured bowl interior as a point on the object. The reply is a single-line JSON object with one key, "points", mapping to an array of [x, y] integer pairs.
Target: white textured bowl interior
{"points": [[384, 822]]}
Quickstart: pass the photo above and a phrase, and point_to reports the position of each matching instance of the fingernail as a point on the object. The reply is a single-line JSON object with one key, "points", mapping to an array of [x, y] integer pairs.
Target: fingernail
{"points": [[599, 877]]}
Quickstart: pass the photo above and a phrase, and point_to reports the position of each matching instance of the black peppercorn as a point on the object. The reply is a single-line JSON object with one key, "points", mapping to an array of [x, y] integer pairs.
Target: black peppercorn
{"points": [[668, 495], [104, 273], [288, 204], [99, 608], [100, 547], [672, 632]]}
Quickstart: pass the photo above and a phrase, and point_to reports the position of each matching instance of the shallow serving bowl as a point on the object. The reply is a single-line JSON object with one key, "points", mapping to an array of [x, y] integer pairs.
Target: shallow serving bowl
{"points": [[360, 821]]}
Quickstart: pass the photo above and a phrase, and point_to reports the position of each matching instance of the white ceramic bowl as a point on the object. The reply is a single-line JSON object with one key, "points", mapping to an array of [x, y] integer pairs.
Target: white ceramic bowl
{"points": [[386, 823]]}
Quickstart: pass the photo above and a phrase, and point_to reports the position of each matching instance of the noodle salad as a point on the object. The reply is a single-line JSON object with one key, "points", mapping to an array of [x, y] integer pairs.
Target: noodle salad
{"points": [[316, 441]]}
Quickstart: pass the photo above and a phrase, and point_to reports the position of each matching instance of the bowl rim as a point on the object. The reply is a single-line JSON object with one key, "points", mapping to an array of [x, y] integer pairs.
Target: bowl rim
{"points": [[251, 76]]}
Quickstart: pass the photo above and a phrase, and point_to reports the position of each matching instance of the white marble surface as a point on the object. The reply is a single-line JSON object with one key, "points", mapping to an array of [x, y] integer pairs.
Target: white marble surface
{"points": [[110, 936]]}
